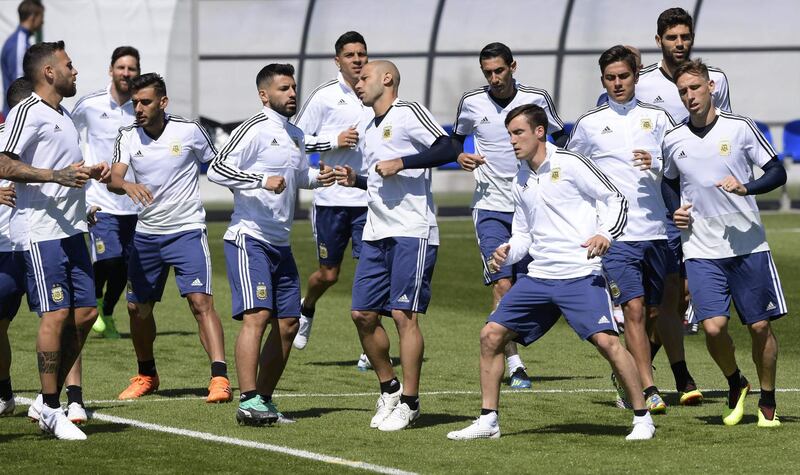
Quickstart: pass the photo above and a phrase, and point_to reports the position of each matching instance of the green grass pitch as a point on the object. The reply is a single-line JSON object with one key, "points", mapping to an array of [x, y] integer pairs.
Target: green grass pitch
{"points": [[567, 423]]}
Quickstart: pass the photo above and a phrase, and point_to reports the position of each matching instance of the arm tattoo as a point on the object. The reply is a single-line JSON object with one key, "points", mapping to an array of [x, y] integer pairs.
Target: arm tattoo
{"points": [[48, 361]]}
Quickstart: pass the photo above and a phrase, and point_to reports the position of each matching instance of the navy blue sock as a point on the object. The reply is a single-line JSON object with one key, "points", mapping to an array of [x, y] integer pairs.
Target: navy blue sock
{"points": [[390, 386], [219, 368], [75, 394], [412, 401], [5, 389], [147, 368]]}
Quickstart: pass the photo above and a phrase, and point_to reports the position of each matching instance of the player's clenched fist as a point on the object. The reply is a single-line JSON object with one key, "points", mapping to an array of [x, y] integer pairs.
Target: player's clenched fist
{"points": [[275, 183]]}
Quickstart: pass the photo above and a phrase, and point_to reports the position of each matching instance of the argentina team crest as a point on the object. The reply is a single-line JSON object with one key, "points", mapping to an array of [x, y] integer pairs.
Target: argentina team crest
{"points": [[614, 289], [555, 175], [100, 246], [57, 294], [647, 124], [175, 149], [323, 251], [261, 291], [387, 132], [725, 148]]}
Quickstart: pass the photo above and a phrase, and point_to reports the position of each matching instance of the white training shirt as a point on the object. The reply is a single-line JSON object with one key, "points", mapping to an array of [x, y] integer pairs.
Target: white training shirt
{"points": [[169, 167], [400, 205], [608, 135], [98, 117], [264, 145], [330, 109], [44, 137], [480, 115], [556, 211], [12, 233], [723, 224], [655, 87]]}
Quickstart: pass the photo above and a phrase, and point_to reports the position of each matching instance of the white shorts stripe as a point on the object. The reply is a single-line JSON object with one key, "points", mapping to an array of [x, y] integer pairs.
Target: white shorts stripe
{"points": [[421, 254], [486, 273], [776, 282], [39, 277], [244, 272], [207, 254]]}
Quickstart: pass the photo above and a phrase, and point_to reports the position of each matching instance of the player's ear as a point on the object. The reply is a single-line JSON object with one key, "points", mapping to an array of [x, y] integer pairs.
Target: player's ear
{"points": [[658, 41], [711, 85], [513, 66], [162, 103]]}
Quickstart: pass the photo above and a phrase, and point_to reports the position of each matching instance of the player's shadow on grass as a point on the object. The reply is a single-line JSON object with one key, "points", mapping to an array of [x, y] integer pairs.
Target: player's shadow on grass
{"points": [[747, 419], [127, 336], [100, 427], [182, 392], [435, 419], [321, 411], [346, 363], [562, 378], [586, 429]]}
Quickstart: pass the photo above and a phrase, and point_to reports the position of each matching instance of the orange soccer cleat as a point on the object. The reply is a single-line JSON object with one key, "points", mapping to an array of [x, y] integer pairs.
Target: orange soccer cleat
{"points": [[219, 390], [140, 386]]}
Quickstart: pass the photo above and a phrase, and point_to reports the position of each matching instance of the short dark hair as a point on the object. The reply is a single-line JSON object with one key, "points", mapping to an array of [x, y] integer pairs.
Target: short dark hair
{"points": [[19, 90], [274, 69], [493, 50], [347, 38], [615, 54], [534, 114], [672, 17], [121, 51], [36, 54], [28, 8], [694, 66], [153, 80]]}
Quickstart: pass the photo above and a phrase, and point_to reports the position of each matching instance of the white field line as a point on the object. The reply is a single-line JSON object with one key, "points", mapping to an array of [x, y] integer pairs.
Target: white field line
{"points": [[208, 437], [282, 395]]}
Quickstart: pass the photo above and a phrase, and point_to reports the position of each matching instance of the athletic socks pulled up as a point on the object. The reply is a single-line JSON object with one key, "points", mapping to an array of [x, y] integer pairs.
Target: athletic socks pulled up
{"points": [[147, 368], [219, 368], [75, 394], [411, 401], [5, 389], [390, 386]]}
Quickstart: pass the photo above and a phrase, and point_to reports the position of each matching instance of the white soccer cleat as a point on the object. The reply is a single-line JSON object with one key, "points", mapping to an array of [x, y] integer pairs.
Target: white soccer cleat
{"points": [[35, 410], [363, 363], [53, 421], [385, 406], [401, 417], [76, 413], [476, 431], [643, 428], [304, 332], [7, 406]]}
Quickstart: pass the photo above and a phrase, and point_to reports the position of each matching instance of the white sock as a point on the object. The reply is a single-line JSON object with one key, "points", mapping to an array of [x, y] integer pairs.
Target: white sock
{"points": [[514, 362], [489, 420]]}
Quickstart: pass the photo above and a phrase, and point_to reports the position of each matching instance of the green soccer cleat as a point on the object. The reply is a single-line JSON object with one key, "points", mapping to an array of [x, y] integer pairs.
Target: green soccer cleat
{"points": [[99, 324], [282, 418], [111, 328], [764, 422], [254, 412], [656, 405], [731, 417]]}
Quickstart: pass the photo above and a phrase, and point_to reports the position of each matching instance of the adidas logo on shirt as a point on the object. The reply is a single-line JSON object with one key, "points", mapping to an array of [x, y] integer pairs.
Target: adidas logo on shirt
{"points": [[606, 130], [770, 306], [275, 143], [57, 129], [403, 299], [603, 320], [342, 102], [197, 283], [682, 154], [138, 154], [658, 100], [104, 116], [485, 120]]}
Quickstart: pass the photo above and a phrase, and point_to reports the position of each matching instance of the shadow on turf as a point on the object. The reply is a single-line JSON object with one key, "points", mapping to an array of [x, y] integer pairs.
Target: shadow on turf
{"points": [[127, 336], [429, 420], [346, 363], [321, 411], [182, 392], [586, 429]]}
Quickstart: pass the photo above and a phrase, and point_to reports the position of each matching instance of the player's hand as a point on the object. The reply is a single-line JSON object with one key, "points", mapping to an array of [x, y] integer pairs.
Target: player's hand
{"points": [[498, 258], [8, 195], [642, 159], [596, 246], [732, 185], [470, 161], [387, 168], [100, 172], [91, 216], [683, 217], [73, 176], [138, 193], [345, 175], [348, 138], [327, 175], [276, 183]]}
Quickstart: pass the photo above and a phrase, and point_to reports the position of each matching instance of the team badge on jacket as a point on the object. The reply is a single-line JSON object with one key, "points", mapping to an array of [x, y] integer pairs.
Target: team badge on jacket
{"points": [[261, 291], [725, 148], [57, 293], [647, 124], [175, 149], [555, 175], [387, 132]]}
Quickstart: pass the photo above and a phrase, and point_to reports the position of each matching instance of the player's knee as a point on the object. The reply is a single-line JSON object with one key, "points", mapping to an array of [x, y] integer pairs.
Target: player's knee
{"points": [[493, 337], [86, 317], [713, 329], [363, 320], [501, 287], [329, 276], [760, 329]]}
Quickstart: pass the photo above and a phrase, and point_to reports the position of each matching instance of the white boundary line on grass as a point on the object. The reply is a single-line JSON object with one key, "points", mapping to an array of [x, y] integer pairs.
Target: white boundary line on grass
{"points": [[208, 437], [281, 395]]}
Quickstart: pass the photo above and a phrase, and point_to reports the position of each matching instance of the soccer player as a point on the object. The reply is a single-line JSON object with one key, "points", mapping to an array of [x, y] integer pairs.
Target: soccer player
{"points": [[31, 19], [710, 187], [12, 264], [557, 221], [51, 206], [264, 163], [164, 153], [99, 116], [481, 112], [623, 138], [638, 55], [400, 239], [333, 120]]}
